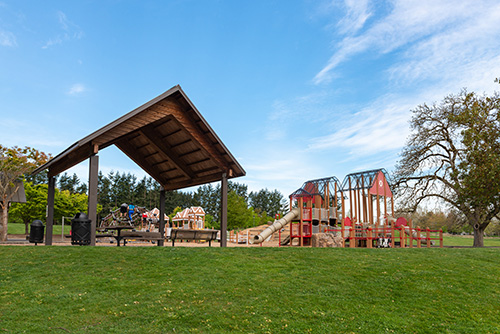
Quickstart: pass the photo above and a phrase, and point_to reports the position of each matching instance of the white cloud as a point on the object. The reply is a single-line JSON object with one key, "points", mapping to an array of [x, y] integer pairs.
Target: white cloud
{"points": [[357, 13], [70, 31], [77, 89], [451, 29], [52, 41], [380, 127], [7, 39]]}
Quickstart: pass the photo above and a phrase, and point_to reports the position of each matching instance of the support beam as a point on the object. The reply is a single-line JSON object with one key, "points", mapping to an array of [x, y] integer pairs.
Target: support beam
{"points": [[392, 206], [162, 146], [161, 228], [358, 192], [223, 214], [192, 128], [129, 151], [350, 201], [92, 207], [50, 210], [363, 199]]}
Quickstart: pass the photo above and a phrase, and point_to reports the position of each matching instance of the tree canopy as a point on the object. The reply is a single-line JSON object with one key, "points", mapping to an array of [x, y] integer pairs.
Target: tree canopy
{"points": [[453, 155], [15, 163], [67, 204], [270, 202]]}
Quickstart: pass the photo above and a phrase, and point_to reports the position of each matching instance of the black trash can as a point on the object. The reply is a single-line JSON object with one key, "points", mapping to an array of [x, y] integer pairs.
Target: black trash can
{"points": [[80, 229], [37, 230]]}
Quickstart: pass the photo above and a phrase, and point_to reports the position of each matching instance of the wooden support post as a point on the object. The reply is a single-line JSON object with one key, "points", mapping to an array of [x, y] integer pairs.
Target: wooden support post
{"points": [[419, 243], [370, 207], [378, 209], [352, 237], [359, 202], [341, 217], [393, 237], [369, 241], [365, 207], [363, 199], [223, 223], [335, 204], [327, 198], [92, 204], [428, 236], [351, 208], [410, 225], [161, 228], [50, 210], [342, 232], [402, 237], [291, 223], [301, 223], [385, 207], [317, 201], [392, 206], [440, 238]]}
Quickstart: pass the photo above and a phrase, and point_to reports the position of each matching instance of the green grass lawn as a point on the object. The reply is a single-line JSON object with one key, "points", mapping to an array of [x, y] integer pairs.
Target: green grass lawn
{"points": [[458, 240], [251, 290], [20, 229]]}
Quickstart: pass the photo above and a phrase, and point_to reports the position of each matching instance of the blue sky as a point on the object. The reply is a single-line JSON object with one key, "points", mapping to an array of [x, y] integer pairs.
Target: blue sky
{"points": [[295, 89]]}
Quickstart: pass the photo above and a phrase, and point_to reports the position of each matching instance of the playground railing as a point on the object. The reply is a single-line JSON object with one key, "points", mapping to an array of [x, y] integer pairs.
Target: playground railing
{"points": [[238, 237], [306, 230], [427, 236], [332, 212], [320, 214], [307, 214], [388, 236]]}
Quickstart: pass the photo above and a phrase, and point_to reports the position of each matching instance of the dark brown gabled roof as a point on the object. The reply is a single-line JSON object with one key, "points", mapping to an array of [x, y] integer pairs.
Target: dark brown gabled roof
{"points": [[167, 137]]}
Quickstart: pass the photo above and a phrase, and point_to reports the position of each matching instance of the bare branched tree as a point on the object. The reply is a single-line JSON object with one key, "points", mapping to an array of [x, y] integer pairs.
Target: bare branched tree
{"points": [[453, 156]]}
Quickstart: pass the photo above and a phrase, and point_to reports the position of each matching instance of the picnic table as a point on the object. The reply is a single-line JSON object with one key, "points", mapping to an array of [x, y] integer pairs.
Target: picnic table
{"points": [[118, 236]]}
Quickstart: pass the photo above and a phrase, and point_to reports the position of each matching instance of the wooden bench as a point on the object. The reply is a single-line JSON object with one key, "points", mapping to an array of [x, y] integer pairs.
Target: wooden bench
{"points": [[140, 235], [182, 234]]}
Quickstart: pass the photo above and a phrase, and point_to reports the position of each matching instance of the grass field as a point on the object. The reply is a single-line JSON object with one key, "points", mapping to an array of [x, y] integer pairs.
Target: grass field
{"points": [[20, 229], [250, 290], [458, 240]]}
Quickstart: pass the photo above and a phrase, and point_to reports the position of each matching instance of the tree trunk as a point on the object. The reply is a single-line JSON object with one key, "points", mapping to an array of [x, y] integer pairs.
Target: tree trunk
{"points": [[478, 235], [4, 218]]}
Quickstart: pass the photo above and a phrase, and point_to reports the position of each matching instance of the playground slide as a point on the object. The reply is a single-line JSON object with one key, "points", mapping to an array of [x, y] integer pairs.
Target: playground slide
{"points": [[276, 226], [414, 235]]}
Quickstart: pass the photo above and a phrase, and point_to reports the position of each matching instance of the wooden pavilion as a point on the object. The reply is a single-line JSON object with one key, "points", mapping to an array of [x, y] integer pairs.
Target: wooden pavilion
{"points": [[168, 138]]}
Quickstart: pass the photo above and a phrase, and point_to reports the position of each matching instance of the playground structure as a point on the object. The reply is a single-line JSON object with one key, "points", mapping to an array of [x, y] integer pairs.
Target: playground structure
{"points": [[190, 218], [359, 212], [135, 216]]}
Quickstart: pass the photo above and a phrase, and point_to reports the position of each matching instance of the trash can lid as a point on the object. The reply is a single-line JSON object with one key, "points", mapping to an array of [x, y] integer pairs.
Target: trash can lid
{"points": [[37, 223], [80, 216]]}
